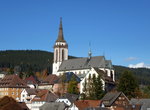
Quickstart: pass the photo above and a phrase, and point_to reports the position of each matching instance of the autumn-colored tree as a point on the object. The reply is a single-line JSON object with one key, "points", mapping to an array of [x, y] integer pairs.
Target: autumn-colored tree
{"points": [[73, 86], [44, 74]]}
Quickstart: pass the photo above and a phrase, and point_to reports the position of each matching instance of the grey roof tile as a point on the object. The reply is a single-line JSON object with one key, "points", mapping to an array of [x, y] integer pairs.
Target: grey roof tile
{"points": [[53, 106], [144, 102], [83, 63], [110, 97]]}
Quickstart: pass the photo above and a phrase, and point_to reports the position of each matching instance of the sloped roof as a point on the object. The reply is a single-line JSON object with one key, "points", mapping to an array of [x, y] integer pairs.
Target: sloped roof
{"points": [[45, 95], [87, 104], [110, 97], [31, 80], [145, 103], [97, 108], [104, 75], [66, 77], [31, 91], [83, 63], [71, 97], [12, 81], [81, 104], [53, 106], [60, 33], [23, 105], [51, 79], [8, 103]]}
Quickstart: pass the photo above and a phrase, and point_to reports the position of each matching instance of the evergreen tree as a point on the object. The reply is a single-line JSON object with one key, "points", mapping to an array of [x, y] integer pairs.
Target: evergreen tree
{"points": [[84, 94], [128, 84], [90, 88], [99, 92], [94, 88]]}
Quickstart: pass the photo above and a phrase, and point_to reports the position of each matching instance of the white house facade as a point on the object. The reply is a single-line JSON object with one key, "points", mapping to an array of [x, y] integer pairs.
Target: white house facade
{"points": [[27, 95]]}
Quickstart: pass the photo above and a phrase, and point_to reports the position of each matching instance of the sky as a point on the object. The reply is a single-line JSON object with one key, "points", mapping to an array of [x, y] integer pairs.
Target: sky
{"points": [[117, 29]]}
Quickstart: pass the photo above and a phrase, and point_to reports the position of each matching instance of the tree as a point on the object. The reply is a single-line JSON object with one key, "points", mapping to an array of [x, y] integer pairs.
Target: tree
{"points": [[10, 71], [94, 88], [84, 94], [72, 87], [128, 84], [99, 92]]}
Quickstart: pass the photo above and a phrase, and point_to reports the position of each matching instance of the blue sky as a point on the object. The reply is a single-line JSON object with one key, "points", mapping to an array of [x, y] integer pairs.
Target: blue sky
{"points": [[118, 29]]}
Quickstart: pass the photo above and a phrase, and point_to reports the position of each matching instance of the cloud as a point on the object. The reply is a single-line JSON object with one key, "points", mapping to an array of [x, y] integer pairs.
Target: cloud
{"points": [[131, 59], [139, 65]]}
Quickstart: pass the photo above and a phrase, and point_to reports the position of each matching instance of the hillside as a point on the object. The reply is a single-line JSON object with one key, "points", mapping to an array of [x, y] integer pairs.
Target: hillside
{"points": [[38, 60]]}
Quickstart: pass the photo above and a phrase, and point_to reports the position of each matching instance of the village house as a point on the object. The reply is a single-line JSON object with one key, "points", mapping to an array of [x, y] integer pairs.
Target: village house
{"points": [[118, 101], [28, 94], [68, 98], [48, 83], [144, 103], [41, 98], [12, 86], [31, 82]]}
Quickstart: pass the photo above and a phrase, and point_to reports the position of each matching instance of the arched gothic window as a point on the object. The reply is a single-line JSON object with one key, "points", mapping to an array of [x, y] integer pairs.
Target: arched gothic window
{"points": [[63, 55], [56, 55], [111, 75]]}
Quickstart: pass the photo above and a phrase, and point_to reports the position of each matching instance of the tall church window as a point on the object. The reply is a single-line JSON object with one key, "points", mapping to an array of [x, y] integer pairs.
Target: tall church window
{"points": [[56, 56], [106, 72], [111, 74], [63, 55]]}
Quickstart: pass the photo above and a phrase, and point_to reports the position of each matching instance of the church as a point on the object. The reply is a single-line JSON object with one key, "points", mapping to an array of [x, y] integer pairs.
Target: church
{"points": [[82, 67]]}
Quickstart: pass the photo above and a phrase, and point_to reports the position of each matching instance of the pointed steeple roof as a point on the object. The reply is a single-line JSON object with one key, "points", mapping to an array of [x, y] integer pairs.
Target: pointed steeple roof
{"points": [[60, 34]]}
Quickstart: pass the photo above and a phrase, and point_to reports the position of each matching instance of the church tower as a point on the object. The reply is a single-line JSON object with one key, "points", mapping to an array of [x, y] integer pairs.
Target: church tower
{"points": [[60, 50]]}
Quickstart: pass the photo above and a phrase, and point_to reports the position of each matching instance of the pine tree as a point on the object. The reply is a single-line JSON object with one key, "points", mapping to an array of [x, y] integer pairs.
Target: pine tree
{"points": [[128, 84], [94, 88], [99, 92]]}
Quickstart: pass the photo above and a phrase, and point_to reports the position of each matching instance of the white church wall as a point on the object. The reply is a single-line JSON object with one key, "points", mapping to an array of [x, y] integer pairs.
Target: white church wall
{"points": [[91, 72], [56, 67]]}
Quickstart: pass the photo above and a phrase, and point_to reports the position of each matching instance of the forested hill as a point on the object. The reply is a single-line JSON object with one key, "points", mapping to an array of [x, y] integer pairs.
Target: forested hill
{"points": [[142, 74], [37, 60]]}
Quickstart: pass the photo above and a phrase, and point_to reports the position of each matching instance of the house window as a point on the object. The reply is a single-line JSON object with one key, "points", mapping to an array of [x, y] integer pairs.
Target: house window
{"points": [[12, 93]]}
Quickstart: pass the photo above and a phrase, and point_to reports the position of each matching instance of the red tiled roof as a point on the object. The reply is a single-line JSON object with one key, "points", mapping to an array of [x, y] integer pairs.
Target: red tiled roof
{"points": [[12, 81], [94, 103], [51, 78], [82, 104], [31, 79]]}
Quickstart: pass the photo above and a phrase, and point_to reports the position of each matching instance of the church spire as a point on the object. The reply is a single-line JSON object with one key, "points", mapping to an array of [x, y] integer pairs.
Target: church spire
{"points": [[90, 52], [60, 34]]}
